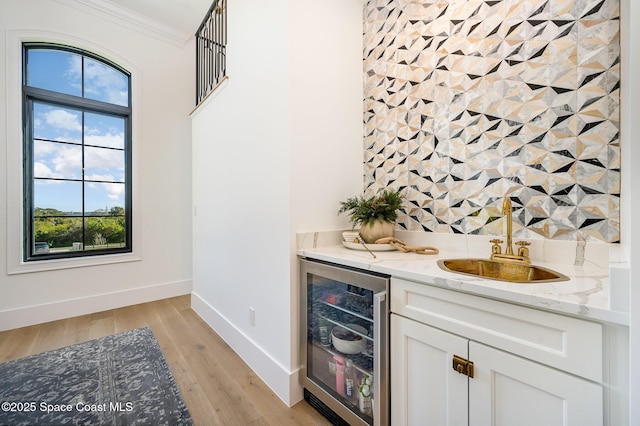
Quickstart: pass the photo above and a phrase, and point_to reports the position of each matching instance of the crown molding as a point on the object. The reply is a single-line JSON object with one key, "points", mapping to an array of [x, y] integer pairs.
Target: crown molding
{"points": [[130, 19]]}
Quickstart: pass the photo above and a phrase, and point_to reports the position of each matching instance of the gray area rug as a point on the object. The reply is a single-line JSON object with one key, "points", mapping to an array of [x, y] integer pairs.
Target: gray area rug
{"points": [[122, 379]]}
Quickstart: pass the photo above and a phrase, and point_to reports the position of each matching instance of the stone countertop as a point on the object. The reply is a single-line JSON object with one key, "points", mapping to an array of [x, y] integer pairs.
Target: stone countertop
{"points": [[588, 294]]}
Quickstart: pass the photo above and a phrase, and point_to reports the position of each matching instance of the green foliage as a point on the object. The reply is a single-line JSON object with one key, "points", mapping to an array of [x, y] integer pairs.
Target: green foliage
{"points": [[43, 212], [363, 210], [116, 211], [63, 230]]}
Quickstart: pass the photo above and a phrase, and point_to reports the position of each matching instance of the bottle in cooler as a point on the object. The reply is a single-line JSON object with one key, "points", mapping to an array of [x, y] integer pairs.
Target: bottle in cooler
{"points": [[340, 366], [350, 383]]}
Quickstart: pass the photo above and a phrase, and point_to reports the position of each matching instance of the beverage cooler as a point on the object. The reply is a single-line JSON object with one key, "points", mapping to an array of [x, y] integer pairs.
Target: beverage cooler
{"points": [[344, 342]]}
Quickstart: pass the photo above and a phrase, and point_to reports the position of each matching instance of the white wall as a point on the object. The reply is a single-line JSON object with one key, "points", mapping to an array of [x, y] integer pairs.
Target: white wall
{"points": [[326, 128], [274, 152], [630, 198], [163, 79]]}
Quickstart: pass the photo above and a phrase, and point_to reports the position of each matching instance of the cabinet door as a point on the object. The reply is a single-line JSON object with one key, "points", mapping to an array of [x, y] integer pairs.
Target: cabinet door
{"points": [[508, 390], [425, 390]]}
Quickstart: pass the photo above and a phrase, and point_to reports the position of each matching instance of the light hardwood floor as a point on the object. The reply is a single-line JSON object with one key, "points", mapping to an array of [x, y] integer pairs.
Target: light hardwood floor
{"points": [[217, 386]]}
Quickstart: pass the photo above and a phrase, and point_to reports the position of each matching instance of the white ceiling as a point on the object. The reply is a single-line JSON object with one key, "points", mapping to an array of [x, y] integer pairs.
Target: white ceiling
{"points": [[182, 15]]}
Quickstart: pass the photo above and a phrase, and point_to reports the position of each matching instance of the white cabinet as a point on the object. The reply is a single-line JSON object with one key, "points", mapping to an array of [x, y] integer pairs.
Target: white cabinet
{"points": [[529, 367], [509, 390], [425, 390]]}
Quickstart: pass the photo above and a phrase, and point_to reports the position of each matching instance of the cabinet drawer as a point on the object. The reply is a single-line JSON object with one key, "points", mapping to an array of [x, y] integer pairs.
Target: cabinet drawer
{"points": [[566, 343]]}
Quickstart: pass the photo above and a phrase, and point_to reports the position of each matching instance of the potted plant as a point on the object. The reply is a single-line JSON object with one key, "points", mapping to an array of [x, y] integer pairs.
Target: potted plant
{"points": [[375, 215]]}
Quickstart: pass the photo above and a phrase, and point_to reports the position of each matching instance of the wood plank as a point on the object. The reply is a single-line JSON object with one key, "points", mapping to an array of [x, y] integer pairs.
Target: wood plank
{"points": [[196, 398], [230, 403], [50, 336], [76, 331], [218, 387], [17, 343], [101, 324]]}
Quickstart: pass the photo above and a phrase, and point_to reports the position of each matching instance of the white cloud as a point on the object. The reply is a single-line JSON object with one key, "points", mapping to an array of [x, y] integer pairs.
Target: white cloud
{"points": [[57, 160], [96, 176], [65, 161], [109, 140], [41, 149], [63, 120], [101, 158], [41, 170], [101, 81], [114, 190], [74, 70], [105, 83], [68, 162]]}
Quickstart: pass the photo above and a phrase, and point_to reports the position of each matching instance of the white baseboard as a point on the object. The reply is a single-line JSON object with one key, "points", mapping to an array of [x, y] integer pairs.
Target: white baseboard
{"points": [[37, 314], [284, 383]]}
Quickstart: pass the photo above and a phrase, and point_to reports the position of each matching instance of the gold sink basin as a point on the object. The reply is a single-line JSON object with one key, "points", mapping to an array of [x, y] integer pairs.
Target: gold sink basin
{"points": [[502, 271]]}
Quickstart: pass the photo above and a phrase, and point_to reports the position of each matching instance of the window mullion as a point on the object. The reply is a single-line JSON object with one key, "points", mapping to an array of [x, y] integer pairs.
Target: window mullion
{"points": [[65, 100], [84, 242]]}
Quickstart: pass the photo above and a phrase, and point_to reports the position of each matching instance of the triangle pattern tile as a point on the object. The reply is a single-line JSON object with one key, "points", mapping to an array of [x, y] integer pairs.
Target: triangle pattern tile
{"points": [[469, 101]]}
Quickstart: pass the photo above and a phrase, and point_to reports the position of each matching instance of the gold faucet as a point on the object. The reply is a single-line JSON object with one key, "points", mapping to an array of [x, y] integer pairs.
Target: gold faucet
{"points": [[496, 251], [507, 210]]}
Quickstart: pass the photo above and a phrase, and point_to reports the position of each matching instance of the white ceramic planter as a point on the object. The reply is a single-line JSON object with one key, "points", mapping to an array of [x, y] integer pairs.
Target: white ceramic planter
{"points": [[376, 230]]}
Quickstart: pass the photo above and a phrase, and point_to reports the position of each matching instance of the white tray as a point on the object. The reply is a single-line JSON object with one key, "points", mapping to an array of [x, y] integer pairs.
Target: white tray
{"points": [[372, 247]]}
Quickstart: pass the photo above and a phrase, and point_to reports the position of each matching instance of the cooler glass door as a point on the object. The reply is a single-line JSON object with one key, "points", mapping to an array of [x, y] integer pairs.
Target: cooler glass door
{"points": [[342, 339]]}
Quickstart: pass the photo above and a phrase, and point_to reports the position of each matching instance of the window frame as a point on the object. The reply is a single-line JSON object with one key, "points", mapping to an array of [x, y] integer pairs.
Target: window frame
{"points": [[31, 95]]}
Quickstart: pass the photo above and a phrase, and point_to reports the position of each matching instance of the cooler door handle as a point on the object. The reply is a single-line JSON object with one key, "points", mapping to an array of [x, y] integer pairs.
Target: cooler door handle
{"points": [[379, 358]]}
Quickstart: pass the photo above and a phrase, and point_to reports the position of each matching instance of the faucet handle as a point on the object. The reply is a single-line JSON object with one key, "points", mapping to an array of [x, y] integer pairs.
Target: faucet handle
{"points": [[496, 249], [522, 249]]}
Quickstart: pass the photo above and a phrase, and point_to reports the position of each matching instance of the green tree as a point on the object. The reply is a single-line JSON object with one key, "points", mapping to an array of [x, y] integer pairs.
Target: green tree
{"points": [[116, 211], [43, 212], [93, 228], [112, 231], [44, 230], [61, 230]]}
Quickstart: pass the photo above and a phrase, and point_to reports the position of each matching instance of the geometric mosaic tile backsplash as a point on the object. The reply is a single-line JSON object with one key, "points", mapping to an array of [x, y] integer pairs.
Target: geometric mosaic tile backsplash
{"points": [[469, 101]]}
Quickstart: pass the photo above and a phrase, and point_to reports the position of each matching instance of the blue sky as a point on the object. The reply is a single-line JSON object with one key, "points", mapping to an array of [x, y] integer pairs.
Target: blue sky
{"points": [[103, 134]]}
